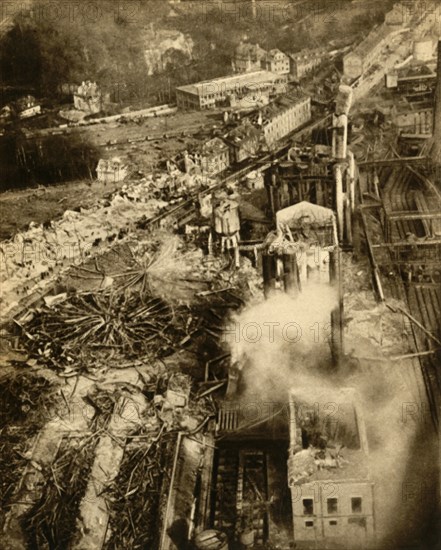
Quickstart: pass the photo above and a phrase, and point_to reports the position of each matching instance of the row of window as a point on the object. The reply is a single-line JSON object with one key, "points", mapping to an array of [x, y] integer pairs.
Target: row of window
{"points": [[332, 506], [222, 95], [280, 123], [279, 65], [361, 522]]}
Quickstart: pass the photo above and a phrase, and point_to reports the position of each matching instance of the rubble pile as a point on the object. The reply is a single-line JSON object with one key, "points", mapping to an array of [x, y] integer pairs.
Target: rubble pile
{"points": [[33, 257], [51, 522], [169, 186], [74, 328], [30, 260], [371, 328], [134, 497], [118, 334], [170, 298], [66, 472], [53, 491], [164, 267], [28, 400], [307, 462], [135, 494], [145, 301]]}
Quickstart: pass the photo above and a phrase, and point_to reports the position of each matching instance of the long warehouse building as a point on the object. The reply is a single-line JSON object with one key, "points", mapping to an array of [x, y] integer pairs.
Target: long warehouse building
{"points": [[210, 93]]}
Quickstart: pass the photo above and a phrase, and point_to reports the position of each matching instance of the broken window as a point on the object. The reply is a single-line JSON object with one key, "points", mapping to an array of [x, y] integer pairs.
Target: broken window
{"points": [[309, 524], [356, 505], [333, 522], [308, 506], [332, 505]]}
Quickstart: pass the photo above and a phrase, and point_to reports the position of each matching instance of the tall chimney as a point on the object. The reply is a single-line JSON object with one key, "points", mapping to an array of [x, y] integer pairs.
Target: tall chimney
{"points": [[254, 9], [435, 152]]}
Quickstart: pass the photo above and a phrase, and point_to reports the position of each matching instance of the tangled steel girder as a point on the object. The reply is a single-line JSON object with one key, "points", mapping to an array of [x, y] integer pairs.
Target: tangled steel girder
{"points": [[99, 320]]}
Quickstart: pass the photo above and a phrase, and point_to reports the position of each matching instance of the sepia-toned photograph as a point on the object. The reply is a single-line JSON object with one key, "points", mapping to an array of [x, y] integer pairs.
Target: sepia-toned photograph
{"points": [[220, 274]]}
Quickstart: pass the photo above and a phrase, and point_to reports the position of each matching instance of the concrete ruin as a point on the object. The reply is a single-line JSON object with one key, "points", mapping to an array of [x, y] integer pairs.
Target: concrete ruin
{"points": [[328, 471], [111, 171], [88, 98], [161, 432]]}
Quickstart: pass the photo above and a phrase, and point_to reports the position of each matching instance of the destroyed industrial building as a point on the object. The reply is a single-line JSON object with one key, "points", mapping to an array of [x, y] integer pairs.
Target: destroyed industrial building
{"points": [[236, 346]]}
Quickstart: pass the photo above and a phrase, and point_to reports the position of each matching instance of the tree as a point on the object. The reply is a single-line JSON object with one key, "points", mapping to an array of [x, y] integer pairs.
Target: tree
{"points": [[103, 44]]}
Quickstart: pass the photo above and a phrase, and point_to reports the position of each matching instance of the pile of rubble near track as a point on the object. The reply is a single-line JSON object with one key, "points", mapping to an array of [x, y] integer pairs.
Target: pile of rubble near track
{"points": [[30, 260], [371, 328], [134, 338], [168, 299]]}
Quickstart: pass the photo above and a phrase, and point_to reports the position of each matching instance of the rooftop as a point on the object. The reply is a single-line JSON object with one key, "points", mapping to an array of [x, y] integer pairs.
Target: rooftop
{"points": [[242, 132], [214, 145], [420, 69], [371, 41], [308, 54], [281, 104], [305, 212], [230, 81]]}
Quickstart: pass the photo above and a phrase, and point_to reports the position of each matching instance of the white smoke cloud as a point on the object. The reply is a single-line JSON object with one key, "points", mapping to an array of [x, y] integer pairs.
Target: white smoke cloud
{"points": [[283, 341]]}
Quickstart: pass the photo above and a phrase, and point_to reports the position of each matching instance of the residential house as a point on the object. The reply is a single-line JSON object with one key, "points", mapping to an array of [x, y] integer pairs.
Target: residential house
{"points": [[305, 61], [247, 57], [276, 62], [111, 171], [27, 107], [88, 98], [210, 159], [244, 141]]}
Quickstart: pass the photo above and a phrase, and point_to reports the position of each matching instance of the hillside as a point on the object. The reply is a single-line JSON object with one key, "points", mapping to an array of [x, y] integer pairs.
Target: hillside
{"points": [[107, 41]]}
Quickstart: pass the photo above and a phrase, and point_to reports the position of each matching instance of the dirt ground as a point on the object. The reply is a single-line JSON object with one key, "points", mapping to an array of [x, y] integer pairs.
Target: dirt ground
{"points": [[20, 207], [39, 205]]}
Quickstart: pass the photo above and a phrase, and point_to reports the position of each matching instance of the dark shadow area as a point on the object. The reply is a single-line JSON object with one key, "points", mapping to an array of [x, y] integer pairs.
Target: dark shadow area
{"points": [[417, 522], [44, 161]]}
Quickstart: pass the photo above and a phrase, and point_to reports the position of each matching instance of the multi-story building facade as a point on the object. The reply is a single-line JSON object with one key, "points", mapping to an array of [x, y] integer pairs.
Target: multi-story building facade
{"points": [[304, 62], [211, 93], [247, 57], [283, 116], [328, 472], [213, 157], [276, 62], [358, 61]]}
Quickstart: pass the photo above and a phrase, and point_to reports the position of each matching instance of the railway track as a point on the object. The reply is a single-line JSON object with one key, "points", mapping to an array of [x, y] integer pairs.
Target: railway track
{"points": [[241, 493], [250, 469], [414, 255], [179, 214], [180, 211]]}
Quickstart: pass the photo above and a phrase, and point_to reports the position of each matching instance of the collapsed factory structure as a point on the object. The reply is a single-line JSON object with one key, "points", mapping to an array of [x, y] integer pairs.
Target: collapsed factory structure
{"points": [[233, 362], [331, 490]]}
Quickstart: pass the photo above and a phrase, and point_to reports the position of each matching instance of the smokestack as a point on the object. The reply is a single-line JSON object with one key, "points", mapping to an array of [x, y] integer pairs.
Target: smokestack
{"points": [[339, 136], [269, 273], [339, 199], [436, 145], [254, 9]]}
